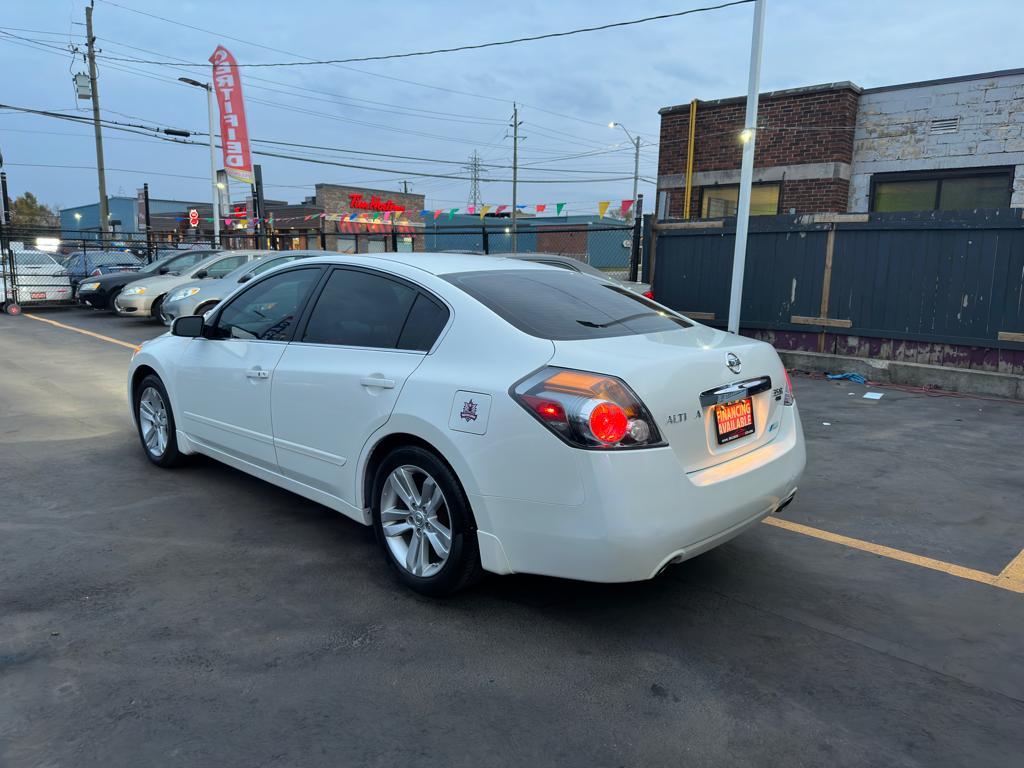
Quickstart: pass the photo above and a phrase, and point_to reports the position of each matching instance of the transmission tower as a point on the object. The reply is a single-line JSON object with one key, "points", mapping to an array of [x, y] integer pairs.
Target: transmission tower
{"points": [[474, 178]]}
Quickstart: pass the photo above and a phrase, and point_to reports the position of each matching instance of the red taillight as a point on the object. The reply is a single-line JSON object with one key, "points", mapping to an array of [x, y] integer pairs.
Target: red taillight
{"points": [[95, 272], [549, 410], [587, 410], [608, 422], [789, 398], [648, 294]]}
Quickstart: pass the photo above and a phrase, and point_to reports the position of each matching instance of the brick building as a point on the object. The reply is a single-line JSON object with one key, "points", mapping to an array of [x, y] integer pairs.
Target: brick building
{"points": [[936, 145]]}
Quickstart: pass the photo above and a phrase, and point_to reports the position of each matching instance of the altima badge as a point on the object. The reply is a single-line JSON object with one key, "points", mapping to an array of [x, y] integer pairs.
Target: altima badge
{"points": [[733, 363]]}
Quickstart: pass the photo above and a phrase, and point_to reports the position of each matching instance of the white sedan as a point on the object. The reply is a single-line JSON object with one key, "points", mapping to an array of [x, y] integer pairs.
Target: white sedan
{"points": [[481, 413]]}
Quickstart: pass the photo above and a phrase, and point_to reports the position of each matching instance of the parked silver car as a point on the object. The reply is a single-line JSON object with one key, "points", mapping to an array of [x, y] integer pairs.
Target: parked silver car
{"points": [[198, 296], [144, 297]]}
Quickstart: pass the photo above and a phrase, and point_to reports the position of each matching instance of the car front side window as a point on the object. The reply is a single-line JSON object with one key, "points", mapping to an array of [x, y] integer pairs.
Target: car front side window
{"points": [[268, 310]]}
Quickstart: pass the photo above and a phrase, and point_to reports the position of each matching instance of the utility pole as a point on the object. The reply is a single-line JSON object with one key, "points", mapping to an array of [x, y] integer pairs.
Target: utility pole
{"points": [[100, 172], [515, 175], [748, 136], [405, 187], [474, 178]]}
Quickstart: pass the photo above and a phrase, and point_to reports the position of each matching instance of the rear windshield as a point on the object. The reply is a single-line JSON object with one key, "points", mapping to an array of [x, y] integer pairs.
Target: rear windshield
{"points": [[562, 306]]}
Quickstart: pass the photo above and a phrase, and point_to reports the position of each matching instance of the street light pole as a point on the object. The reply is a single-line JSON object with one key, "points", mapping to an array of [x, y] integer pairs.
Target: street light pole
{"points": [[213, 154], [636, 162], [748, 136]]}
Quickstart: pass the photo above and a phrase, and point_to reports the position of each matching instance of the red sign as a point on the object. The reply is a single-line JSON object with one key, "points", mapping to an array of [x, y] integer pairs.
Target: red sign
{"points": [[193, 217], [356, 200], [234, 133]]}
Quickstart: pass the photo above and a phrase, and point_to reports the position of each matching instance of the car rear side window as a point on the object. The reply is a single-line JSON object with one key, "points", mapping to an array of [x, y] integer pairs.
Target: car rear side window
{"points": [[360, 309], [425, 322], [563, 306]]}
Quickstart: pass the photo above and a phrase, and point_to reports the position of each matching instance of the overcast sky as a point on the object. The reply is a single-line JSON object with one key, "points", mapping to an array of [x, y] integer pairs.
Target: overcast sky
{"points": [[443, 107]]}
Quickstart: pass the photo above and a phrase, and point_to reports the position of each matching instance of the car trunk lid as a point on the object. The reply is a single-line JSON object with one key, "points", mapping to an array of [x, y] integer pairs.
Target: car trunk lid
{"points": [[683, 377]]}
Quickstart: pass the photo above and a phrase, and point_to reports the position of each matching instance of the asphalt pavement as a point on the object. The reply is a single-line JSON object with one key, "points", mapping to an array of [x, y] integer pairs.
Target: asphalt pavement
{"points": [[200, 617]]}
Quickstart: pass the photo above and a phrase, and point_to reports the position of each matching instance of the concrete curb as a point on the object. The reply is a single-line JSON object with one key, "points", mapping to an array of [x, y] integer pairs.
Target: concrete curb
{"points": [[913, 374]]}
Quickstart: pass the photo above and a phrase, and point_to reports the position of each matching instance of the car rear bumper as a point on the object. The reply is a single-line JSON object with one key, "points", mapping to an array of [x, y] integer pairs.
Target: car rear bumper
{"points": [[640, 512]]}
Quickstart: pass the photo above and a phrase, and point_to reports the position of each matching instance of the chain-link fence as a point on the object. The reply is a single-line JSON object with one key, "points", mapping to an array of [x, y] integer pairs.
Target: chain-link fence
{"points": [[45, 266]]}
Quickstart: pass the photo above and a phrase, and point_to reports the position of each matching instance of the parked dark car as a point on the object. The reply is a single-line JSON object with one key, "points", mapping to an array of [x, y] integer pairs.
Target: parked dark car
{"points": [[83, 264], [100, 292]]}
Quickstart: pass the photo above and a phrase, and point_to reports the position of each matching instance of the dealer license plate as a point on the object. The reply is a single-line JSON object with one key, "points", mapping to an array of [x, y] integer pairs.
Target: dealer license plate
{"points": [[734, 420], [38, 294]]}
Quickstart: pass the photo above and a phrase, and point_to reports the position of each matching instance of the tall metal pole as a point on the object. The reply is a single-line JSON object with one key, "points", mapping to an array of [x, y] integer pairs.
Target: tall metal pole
{"points": [[515, 176], [213, 168], [149, 223], [100, 172], [749, 137], [636, 177]]}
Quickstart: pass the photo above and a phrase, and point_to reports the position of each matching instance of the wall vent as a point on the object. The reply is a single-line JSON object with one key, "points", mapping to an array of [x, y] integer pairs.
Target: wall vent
{"points": [[944, 125]]}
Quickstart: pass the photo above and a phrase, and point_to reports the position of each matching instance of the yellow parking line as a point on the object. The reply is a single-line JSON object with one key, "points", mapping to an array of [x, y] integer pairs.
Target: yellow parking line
{"points": [[1010, 578], [99, 336]]}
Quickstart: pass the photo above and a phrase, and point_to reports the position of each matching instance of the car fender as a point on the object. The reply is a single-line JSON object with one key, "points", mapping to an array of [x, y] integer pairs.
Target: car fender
{"points": [[408, 424]]}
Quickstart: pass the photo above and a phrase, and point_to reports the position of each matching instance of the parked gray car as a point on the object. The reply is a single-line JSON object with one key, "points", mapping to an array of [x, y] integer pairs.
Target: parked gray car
{"points": [[144, 297], [199, 296]]}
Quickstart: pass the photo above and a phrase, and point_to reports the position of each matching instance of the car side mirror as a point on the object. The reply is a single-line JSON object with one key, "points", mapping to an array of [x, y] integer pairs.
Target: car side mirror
{"points": [[201, 274], [189, 326], [245, 278]]}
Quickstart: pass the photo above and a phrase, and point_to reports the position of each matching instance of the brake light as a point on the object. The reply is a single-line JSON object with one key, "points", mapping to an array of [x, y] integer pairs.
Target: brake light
{"points": [[649, 295], [587, 410], [607, 422], [95, 272], [788, 398]]}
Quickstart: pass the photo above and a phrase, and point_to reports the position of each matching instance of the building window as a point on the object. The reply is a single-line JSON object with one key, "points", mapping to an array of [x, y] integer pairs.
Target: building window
{"points": [[947, 190], [716, 202], [345, 244]]}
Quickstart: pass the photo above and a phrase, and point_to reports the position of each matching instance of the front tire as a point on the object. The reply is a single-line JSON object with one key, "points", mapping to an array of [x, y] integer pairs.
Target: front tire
{"points": [[154, 310], [155, 421], [424, 523]]}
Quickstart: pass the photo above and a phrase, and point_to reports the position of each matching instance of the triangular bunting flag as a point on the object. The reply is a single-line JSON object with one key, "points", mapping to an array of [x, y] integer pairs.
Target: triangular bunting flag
{"points": [[501, 208], [626, 205], [602, 207], [558, 208], [541, 207], [483, 210], [424, 214], [471, 209], [451, 213], [437, 214]]}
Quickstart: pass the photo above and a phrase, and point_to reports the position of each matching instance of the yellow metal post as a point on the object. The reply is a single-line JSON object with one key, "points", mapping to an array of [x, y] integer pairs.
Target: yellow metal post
{"points": [[689, 159]]}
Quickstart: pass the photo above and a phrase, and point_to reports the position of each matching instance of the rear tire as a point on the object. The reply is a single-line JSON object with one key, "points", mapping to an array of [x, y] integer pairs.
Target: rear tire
{"points": [[424, 523], [155, 421]]}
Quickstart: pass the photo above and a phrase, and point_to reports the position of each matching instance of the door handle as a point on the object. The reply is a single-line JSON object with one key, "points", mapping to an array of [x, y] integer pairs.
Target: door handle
{"points": [[257, 373], [377, 381]]}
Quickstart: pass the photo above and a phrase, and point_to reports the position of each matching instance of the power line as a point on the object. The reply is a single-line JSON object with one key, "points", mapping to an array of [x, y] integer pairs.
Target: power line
{"points": [[472, 47], [368, 73], [401, 172]]}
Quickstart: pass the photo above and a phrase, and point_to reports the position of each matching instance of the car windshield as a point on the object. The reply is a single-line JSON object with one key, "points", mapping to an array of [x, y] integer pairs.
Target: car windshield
{"points": [[108, 258], [175, 265], [561, 305]]}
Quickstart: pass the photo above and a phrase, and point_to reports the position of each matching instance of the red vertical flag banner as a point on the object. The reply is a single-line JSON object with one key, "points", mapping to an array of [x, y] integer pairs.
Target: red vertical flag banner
{"points": [[234, 133]]}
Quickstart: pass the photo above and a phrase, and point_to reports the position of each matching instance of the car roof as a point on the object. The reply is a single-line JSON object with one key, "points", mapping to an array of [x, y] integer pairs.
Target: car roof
{"points": [[436, 263]]}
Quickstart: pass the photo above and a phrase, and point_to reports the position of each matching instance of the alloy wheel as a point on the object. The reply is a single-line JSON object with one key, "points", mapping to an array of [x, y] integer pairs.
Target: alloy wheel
{"points": [[416, 522], [153, 421]]}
